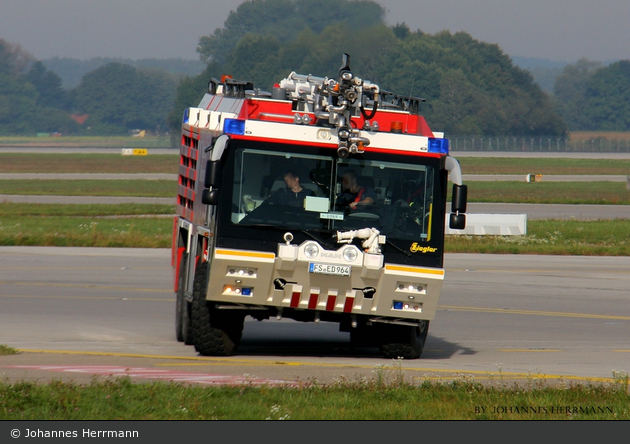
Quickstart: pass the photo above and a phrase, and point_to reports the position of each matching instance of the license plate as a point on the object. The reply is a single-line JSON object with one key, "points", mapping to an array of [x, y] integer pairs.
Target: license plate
{"points": [[335, 270]]}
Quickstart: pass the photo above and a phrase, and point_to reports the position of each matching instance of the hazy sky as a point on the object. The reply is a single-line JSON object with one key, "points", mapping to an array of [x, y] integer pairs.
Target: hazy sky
{"points": [[563, 30]]}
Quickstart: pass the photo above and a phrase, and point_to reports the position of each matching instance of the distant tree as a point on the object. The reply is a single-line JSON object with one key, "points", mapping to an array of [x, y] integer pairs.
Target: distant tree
{"points": [[48, 86], [18, 105], [569, 91], [607, 98], [401, 30], [31, 98], [120, 98], [285, 19], [470, 87], [72, 70], [13, 59]]}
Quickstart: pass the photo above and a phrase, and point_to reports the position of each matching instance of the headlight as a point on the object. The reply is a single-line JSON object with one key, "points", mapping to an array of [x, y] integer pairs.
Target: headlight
{"points": [[350, 254], [311, 251]]}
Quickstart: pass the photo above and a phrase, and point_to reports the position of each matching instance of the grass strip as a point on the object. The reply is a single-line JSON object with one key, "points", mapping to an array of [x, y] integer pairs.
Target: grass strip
{"points": [[532, 165], [587, 238], [362, 400], [88, 163], [165, 163], [61, 231], [571, 237], [9, 209], [135, 188], [583, 193], [87, 141]]}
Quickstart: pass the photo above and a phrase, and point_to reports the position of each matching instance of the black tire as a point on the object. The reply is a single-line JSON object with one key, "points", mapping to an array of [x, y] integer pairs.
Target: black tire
{"points": [[180, 301], [187, 330], [215, 332], [405, 342]]}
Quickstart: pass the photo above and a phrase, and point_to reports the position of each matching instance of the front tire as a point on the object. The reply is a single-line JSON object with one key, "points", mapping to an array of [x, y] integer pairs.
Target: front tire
{"points": [[215, 332]]}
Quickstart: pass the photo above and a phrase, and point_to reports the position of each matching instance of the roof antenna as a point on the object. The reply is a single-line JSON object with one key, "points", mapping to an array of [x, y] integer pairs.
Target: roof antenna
{"points": [[345, 64]]}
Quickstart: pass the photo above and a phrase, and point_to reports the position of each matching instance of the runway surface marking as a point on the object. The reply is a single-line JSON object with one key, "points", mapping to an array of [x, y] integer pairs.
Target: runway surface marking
{"points": [[440, 307], [526, 350], [155, 374], [428, 373], [531, 312]]}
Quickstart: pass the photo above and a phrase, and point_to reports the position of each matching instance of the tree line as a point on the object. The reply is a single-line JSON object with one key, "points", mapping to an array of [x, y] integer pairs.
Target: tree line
{"points": [[111, 100], [470, 87]]}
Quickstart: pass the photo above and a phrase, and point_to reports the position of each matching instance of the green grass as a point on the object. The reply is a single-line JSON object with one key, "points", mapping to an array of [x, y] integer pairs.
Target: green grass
{"points": [[136, 188], [93, 226], [373, 399], [561, 166], [9, 209], [6, 350], [87, 141], [63, 231], [572, 237], [584, 193], [88, 163], [164, 163]]}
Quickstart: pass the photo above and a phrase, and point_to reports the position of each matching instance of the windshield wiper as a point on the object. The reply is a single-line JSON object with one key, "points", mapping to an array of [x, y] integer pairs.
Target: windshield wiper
{"points": [[320, 241], [406, 253]]}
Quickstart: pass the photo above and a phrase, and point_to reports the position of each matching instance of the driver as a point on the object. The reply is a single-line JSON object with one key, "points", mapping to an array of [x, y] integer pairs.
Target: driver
{"points": [[293, 194], [353, 193]]}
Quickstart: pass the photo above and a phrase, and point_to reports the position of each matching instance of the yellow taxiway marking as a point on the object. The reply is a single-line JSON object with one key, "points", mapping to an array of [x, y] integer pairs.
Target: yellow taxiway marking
{"points": [[531, 312], [208, 361], [528, 350]]}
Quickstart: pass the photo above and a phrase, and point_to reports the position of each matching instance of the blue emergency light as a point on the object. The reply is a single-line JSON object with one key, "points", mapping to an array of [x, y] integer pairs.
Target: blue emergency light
{"points": [[439, 146], [185, 118], [398, 305], [234, 126]]}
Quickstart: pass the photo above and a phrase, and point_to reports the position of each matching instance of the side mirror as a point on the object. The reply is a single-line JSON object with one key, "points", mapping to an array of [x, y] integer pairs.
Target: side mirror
{"points": [[210, 197], [460, 198], [213, 174], [458, 207], [457, 221]]}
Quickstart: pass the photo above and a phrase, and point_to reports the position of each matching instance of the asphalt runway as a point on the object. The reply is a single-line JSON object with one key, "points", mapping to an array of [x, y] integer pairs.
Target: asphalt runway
{"points": [[77, 311]]}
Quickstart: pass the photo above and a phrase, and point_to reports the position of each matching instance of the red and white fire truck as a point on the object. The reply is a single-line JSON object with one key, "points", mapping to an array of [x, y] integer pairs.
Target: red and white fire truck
{"points": [[321, 200]]}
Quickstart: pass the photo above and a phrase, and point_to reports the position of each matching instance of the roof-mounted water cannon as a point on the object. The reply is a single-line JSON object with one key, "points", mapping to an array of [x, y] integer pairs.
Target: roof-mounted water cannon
{"points": [[336, 102]]}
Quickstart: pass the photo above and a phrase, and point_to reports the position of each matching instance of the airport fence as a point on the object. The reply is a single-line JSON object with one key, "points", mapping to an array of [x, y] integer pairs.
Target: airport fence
{"points": [[538, 144]]}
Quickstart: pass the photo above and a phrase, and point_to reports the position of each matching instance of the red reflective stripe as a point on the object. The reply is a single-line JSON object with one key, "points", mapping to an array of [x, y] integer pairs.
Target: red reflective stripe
{"points": [[347, 306], [295, 299], [312, 302], [330, 303]]}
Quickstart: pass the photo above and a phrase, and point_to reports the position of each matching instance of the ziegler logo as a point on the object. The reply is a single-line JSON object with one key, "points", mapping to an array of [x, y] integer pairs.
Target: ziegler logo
{"points": [[415, 248]]}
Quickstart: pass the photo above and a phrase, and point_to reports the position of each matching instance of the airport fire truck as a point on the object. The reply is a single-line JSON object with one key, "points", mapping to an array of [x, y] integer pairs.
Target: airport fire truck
{"points": [[322, 200]]}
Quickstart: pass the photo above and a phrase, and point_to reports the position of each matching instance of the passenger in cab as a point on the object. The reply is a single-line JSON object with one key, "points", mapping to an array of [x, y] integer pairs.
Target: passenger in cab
{"points": [[353, 193]]}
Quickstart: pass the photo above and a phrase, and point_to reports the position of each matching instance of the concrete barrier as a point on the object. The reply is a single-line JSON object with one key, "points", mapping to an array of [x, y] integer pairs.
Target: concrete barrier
{"points": [[492, 224]]}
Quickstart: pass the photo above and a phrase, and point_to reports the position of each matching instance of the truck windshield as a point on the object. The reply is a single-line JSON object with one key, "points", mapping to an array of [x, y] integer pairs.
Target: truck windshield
{"points": [[310, 192]]}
